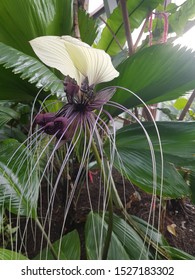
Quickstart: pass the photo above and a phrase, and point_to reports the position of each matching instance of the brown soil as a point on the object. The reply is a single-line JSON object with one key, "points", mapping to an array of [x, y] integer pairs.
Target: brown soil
{"points": [[179, 216]]}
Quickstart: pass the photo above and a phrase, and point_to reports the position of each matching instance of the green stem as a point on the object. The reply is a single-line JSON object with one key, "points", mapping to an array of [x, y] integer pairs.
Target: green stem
{"points": [[47, 239], [110, 226], [110, 203]]}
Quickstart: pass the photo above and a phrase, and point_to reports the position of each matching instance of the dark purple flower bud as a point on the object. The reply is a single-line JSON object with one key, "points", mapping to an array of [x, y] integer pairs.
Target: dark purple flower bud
{"points": [[61, 122], [71, 88], [50, 128], [42, 119]]}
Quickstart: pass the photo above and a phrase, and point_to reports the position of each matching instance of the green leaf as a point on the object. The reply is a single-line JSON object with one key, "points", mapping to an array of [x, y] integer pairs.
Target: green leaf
{"points": [[179, 19], [67, 248], [6, 254], [177, 254], [125, 242], [15, 89], [171, 7], [151, 232], [134, 160], [22, 20], [177, 139], [19, 186], [180, 103], [7, 114], [155, 74], [29, 68], [192, 186], [87, 26], [137, 11], [12, 132]]}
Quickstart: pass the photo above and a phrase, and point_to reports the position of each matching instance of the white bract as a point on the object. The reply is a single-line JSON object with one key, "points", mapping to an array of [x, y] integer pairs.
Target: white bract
{"points": [[74, 58]]}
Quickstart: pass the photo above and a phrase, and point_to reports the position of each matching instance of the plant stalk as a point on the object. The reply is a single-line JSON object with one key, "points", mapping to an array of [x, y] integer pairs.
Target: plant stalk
{"points": [[127, 26], [76, 20], [47, 239], [110, 225], [185, 110], [110, 202]]}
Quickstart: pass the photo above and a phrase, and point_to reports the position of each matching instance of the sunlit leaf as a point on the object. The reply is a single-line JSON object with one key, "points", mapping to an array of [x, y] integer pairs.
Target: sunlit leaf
{"points": [[179, 19], [180, 103], [137, 11]]}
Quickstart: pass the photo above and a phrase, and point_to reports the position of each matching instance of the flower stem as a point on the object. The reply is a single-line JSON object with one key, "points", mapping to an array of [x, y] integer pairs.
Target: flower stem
{"points": [[47, 239], [110, 226], [110, 202]]}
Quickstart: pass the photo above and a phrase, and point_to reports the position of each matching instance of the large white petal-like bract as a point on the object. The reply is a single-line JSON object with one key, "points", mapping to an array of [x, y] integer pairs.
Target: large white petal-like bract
{"points": [[52, 51], [74, 58], [92, 63]]}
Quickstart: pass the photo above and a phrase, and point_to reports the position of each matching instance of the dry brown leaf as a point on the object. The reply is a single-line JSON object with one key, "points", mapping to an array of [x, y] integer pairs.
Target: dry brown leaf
{"points": [[171, 229]]}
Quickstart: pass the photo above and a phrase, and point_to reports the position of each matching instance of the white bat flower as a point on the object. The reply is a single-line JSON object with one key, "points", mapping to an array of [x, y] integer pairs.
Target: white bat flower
{"points": [[83, 68], [74, 58]]}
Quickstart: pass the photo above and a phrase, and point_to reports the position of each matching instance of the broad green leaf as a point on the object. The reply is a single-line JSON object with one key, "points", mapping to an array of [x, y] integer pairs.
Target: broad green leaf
{"points": [[177, 254], [137, 11], [6, 254], [22, 20], [152, 232], [155, 74], [125, 242], [19, 186], [153, 235], [87, 26], [179, 19], [28, 68], [134, 159], [68, 248], [177, 139]]}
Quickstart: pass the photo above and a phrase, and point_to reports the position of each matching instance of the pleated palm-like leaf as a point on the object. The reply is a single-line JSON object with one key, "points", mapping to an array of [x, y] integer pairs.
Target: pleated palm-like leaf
{"points": [[22, 20], [26, 67], [155, 74], [134, 158]]}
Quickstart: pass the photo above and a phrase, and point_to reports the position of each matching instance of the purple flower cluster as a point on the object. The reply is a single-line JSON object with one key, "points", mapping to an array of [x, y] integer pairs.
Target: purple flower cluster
{"points": [[54, 125], [82, 101]]}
